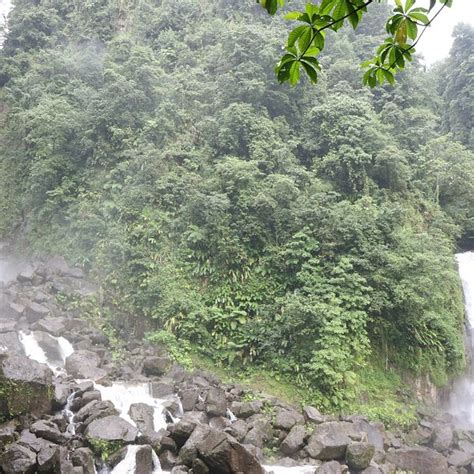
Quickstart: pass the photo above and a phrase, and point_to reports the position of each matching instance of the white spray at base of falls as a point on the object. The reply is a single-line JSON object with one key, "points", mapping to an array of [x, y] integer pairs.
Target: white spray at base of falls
{"points": [[128, 463], [290, 470], [461, 403], [124, 394]]}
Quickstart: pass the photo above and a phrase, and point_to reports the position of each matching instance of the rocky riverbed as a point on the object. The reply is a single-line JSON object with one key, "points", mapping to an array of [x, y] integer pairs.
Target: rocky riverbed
{"points": [[66, 406]]}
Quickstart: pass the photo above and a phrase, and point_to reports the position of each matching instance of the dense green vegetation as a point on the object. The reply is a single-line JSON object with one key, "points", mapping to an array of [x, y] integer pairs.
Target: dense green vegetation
{"points": [[309, 231]]}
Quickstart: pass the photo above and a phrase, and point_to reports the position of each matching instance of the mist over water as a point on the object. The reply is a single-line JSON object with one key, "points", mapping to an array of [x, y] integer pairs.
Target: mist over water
{"points": [[462, 398]]}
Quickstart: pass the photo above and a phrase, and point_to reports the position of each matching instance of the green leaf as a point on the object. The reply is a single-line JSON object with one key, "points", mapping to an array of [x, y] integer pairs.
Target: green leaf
{"points": [[295, 73], [412, 29], [310, 71], [389, 77], [296, 33], [419, 16]]}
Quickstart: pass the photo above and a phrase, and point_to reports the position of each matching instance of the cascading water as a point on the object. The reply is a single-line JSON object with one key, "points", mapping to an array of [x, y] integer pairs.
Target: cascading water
{"points": [[461, 403], [128, 464], [122, 395]]}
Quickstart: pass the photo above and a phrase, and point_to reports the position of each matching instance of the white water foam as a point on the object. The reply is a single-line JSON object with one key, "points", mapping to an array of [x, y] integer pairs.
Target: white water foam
{"points": [[461, 403], [124, 394], [290, 470], [33, 350], [128, 463]]}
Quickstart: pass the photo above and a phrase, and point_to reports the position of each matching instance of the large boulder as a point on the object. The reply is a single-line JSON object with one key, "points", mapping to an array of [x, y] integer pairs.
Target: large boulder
{"points": [[49, 431], [26, 387], [224, 455], [94, 411], [54, 326], [111, 429], [443, 438], [420, 460], [156, 365], [260, 433], [216, 402], [18, 459], [84, 364], [142, 415], [84, 458], [286, 419], [294, 441], [328, 441], [35, 311], [359, 455], [10, 343], [7, 325], [49, 459]]}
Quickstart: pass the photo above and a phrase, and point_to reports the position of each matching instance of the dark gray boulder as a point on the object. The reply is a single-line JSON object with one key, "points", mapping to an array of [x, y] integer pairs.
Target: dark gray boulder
{"points": [[223, 455], [189, 398], [286, 419], [238, 430], [294, 441], [10, 343], [18, 459], [35, 311], [443, 438], [142, 415], [313, 415], [27, 387], [246, 409], [181, 431], [328, 441], [94, 411], [420, 460], [156, 365], [84, 458], [359, 455], [260, 433], [162, 389], [7, 325], [54, 326], [460, 459], [189, 452], [111, 428], [49, 459], [49, 431], [332, 467], [84, 364], [216, 402]]}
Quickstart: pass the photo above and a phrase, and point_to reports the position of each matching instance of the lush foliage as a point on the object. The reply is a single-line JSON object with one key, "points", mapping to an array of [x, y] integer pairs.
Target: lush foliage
{"points": [[307, 41], [305, 231]]}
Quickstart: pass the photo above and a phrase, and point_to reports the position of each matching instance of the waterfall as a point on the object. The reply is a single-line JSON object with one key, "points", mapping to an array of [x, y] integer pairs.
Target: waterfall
{"points": [[124, 394], [461, 403], [129, 462], [47, 349]]}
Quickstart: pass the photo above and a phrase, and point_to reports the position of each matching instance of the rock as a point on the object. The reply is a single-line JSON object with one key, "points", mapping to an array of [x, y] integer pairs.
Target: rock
{"points": [[10, 344], [223, 455], [14, 311], [143, 460], [374, 431], [460, 459], [312, 415], [216, 402], [332, 467], [26, 275], [443, 438], [48, 459], [238, 430], [95, 410], [167, 460], [199, 467], [90, 397], [420, 460], [181, 431], [18, 459], [49, 431], [359, 455], [53, 326], [7, 325], [84, 364], [189, 451], [421, 435], [189, 398], [179, 470], [111, 428], [162, 389], [7, 434], [61, 393], [286, 419], [156, 365], [294, 441], [27, 387], [328, 441], [142, 415], [35, 311], [260, 433], [246, 409], [219, 423]]}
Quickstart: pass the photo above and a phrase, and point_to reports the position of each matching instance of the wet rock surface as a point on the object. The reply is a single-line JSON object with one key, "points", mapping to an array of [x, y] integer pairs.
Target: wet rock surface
{"points": [[56, 422]]}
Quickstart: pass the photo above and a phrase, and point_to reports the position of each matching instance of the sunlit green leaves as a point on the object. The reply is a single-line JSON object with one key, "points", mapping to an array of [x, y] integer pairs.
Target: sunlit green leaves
{"points": [[308, 40]]}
